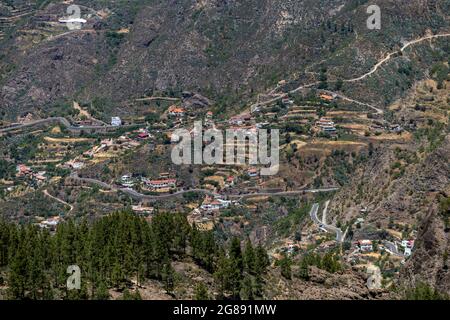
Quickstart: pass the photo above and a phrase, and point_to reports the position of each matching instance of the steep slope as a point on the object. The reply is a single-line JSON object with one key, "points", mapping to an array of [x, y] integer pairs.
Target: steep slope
{"points": [[227, 50], [401, 188]]}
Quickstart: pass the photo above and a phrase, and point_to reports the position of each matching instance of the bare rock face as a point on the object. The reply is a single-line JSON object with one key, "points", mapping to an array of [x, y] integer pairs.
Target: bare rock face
{"points": [[216, 48], [196, 101], [428, 263], [412, 198]]}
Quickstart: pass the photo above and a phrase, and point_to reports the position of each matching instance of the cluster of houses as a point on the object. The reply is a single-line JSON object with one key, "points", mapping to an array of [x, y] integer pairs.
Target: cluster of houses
{"points": [[163, 184], [213, 204], [407, 245], [240, 119], [203, 216], [365, 245], [25, 171]]}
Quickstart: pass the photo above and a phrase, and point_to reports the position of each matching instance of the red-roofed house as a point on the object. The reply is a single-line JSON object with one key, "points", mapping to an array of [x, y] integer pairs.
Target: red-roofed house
{"points": [[162, 184], [176, 111], [23, 170]]}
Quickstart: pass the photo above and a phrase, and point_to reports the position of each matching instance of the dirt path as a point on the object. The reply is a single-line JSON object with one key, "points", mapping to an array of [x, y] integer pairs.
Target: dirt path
{"points": [[59, 200], [365, 75], [390, 55], [85, 113]]}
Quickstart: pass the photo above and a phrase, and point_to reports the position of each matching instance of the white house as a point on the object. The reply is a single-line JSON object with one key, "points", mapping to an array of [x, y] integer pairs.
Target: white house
{"points": [[215, 204], [365, 245], [116, 121], [126, 181], [162, 184]]}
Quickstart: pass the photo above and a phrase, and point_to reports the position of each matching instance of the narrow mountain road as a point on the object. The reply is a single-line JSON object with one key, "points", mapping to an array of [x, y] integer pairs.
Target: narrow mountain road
{"points": [[140, 197], [392, 54], [324, 214], [313, 214], [365, 75], [59, 200], [341, 96], [62, 121]]}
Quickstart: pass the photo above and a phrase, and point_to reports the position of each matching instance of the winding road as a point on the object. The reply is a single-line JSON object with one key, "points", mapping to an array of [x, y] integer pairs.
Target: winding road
{"points": [[392, 54], [62, 121], [313, 214], [144, 197], [365, 75], [59, 200]]}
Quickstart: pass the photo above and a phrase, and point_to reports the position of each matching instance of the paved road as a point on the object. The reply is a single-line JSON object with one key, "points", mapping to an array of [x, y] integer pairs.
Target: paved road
{"points": [[282, 193], [316, 220], [140, 197], [324, 214], [62, 121]]}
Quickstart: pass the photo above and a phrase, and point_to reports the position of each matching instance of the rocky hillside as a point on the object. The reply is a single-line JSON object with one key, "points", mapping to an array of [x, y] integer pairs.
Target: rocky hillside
{"points": [[404, 188], [227, 50]]}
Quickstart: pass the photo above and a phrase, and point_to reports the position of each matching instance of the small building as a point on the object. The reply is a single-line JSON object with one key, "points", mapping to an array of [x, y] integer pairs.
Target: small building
{"points": [[255, 109], [162, 184], [23, 170], [75, 164], [253, 172], [239, 120], [116, 121], [229, 182], [326, 125], [327, 97], [127, 181], [214, 204], [143, 135], [407, 244], [287, 101], [176, 111], [365, 245], [72, 20], [142, 209], [395, 128], [407, 252], [50, 223], [40, 175]]}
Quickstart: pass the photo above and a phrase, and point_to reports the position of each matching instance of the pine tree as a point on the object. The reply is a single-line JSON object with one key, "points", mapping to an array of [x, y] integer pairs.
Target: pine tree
{"points": [[168, 277], [126, 295], [249, 258], [285, 266], [304, 270], [235, 253], [261, 260], [247, 288], [101, 292], [201, 292], [258, 287]]}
